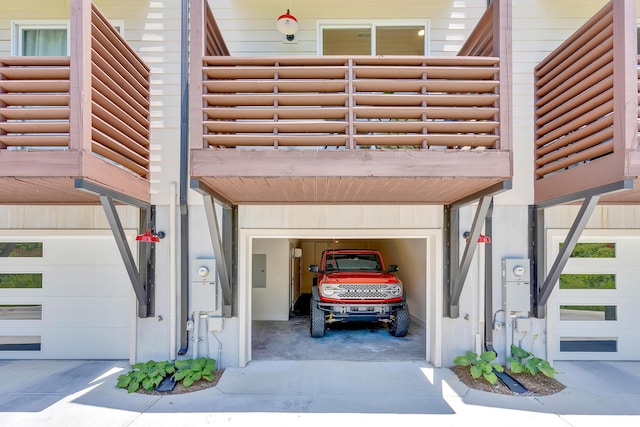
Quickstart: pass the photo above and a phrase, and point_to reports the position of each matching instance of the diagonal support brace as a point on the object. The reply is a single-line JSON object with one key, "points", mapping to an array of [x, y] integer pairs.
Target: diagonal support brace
{"points": [[142, 285], [221, 264], [459, 274], [588, 206]]}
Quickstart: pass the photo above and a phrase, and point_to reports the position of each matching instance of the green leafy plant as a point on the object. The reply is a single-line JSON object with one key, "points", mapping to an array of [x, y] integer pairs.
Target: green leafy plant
{"points": [[146, 375], [524, 361], [190, 371], [481, 366]]}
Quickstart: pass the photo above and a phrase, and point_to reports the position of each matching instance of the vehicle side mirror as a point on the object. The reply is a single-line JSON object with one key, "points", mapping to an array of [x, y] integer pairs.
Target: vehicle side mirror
{"points": [[313, 268], [393, 268]]}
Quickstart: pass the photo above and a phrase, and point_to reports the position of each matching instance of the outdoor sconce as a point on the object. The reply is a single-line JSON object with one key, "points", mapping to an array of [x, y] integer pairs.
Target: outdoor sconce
{"points": [[481, 239], [149, 237], [287, 24]]}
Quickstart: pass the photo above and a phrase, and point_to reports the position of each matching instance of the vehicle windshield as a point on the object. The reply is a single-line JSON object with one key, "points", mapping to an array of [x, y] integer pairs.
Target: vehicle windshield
{"points": [[352, 262]]}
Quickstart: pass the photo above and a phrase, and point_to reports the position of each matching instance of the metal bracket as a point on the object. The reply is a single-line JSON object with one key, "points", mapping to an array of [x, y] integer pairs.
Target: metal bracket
{"points": [[541, 293], [455, 270], [459, 274], [143, 280], [221, 264]]}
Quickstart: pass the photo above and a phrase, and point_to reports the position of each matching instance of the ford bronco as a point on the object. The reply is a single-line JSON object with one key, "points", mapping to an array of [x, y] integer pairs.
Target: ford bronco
{"points": [[353, 285]]}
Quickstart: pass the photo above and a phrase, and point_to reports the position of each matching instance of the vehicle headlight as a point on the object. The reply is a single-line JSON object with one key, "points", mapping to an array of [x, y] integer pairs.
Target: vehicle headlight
{"points": [[395, 290], [329, 290]]}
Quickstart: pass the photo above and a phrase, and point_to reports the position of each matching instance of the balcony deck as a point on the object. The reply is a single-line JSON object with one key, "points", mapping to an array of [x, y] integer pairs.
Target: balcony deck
{"points": [[350, 129], [587, 111], [85, 117]]}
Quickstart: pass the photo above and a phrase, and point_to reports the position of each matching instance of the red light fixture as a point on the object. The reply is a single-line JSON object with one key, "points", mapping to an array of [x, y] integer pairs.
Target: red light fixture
{"points": [[484, 239], [149, 237], [287, 24], [481, 239]]}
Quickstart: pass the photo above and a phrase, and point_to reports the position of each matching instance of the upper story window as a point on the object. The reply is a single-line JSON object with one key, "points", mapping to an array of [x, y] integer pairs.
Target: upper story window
{"points": [[41, 39], [45, 38], [373, 38]]}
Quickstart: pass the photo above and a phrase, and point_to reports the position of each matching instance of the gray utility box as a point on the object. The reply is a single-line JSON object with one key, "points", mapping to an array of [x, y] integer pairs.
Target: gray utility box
{"points": [[203, 293], [516, 284]]}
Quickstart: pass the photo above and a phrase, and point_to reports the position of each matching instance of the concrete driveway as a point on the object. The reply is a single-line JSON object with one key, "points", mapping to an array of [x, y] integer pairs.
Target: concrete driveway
{"points": [[313, 392]]}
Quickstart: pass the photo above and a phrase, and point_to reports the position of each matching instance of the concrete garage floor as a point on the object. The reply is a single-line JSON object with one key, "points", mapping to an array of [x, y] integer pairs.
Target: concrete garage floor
{"points": [[290, 340]]}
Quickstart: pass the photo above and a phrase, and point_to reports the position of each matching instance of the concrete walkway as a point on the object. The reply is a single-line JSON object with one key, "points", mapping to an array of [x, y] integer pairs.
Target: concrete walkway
{"points": [[314, 393]]}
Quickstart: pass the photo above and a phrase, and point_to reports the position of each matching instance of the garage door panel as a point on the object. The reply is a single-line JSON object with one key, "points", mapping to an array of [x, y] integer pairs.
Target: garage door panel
{"points": [[82, 251], [87, 312], [103, 281], [86, 299], [85, 343], [593, 312]]}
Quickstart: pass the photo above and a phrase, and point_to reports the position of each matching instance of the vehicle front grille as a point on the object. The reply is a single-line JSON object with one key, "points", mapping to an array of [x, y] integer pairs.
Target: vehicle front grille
{"points": [[363, 291]]}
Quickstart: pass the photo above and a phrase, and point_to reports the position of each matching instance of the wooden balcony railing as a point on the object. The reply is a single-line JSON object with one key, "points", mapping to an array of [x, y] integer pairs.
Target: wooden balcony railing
{"points": [[340, 129], [417, 102], [94, 102], [586, 111], [34, 97]]}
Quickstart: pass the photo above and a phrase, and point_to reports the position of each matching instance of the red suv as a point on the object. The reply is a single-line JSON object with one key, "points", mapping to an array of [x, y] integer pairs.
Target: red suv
{"points": [[353, 285]]}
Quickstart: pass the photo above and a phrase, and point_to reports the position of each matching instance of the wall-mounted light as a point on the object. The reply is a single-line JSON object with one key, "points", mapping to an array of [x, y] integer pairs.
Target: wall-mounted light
{"points": [[150, 237], [287, 24]]}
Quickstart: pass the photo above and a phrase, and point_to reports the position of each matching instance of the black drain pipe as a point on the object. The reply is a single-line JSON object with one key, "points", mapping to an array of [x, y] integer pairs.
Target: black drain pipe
{"points": [[513, 384], [184, 179]]}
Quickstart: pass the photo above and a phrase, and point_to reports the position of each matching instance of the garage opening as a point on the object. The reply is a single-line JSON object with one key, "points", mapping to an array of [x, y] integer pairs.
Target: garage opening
{"points": [[281, 292]]}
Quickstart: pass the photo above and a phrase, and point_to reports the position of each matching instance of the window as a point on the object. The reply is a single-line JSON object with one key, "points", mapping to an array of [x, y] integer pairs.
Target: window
{"points": [[593, 250], [45, 38], [20, 249], [21, 312], [373, 38], [595, 344], [588, 281], [41, 39], [20, 343], [20, 280], [588, 312]]}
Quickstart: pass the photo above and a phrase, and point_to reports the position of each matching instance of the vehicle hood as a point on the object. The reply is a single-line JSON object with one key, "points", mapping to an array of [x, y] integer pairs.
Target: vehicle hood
{"points": [[359, 277]]}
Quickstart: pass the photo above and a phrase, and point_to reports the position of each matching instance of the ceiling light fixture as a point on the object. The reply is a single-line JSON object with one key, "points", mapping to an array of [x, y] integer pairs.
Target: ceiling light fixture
{"points": [[287, 24]]}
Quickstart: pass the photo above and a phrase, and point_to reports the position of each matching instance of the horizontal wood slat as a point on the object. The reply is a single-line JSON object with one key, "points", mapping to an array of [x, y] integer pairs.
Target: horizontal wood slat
{"points": [[34, 141], [35, 113], [34, 102], [346, 100], [28, 100]]}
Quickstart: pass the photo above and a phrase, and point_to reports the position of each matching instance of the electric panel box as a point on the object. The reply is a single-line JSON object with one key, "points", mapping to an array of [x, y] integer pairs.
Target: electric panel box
{"points": [[203, 293], [516, 284]]}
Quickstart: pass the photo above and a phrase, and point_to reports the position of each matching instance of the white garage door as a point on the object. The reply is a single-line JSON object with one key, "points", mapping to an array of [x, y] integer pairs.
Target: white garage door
{"points": [[594, 310], [64, 296]]}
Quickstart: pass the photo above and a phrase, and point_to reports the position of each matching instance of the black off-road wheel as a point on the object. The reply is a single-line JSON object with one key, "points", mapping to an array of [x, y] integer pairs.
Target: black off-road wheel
{"points": [[317, 320], [399, 325]]}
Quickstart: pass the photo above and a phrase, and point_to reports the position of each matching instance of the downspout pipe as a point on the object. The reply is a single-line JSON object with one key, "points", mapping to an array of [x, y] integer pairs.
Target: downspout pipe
{"points": [[184, 178]]}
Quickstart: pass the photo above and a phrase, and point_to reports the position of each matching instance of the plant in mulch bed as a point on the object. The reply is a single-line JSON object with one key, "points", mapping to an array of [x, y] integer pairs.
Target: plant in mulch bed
{"points": [[149, 375], [481, 366], [524, 361], [190, 371]]}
